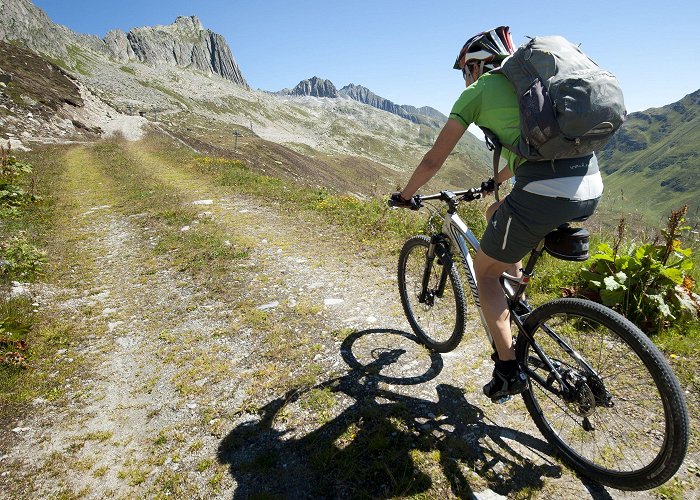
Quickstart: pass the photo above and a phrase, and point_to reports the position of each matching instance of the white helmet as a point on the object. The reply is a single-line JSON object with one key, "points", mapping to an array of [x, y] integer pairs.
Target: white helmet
{"points": [[487, 49]]}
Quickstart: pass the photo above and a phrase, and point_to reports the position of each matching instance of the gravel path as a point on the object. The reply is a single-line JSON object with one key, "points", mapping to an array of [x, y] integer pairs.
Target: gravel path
{"points": [[283, 379]]}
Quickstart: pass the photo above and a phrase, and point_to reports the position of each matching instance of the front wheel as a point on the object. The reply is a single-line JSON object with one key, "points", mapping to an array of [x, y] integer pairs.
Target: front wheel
{"points": [[437, 317], [603, 395]]}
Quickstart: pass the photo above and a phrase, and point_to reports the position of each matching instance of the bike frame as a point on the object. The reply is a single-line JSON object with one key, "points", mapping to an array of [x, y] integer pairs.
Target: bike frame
{"points": [[461, 239], [457, 236]]}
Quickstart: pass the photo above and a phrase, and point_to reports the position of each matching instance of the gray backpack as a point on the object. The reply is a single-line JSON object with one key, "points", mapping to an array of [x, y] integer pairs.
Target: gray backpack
{"points": [[569, 106]]}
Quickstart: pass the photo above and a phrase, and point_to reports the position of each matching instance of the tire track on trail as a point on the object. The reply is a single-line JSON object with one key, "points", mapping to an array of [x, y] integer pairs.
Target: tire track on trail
{"points": [[311, 260], [135, 309], [194, 376]]}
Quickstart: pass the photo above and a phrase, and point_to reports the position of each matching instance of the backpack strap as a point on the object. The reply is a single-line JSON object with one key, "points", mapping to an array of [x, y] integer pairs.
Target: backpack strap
{"points": [[494, 145]]}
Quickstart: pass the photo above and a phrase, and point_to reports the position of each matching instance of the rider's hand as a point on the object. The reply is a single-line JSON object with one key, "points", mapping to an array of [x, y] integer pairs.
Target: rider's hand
{"points": [[489, 186], [398, 201]]}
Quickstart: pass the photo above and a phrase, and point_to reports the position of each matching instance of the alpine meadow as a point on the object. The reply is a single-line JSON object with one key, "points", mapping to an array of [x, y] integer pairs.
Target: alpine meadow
{"points": [[198, 283]]}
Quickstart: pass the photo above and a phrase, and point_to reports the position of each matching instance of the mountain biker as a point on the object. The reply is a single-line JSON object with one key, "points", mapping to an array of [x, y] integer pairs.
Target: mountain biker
{"points": [[545, 194]]}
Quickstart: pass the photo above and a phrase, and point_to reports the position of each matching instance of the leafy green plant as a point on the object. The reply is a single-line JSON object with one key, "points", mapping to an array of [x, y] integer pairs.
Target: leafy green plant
{"points": [[15, 322], [648, 283], [19, 259], [11, 194]]}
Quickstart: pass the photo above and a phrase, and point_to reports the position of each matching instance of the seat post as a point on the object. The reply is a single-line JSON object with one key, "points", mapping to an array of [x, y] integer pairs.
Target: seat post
{"points": [[534, 257]]}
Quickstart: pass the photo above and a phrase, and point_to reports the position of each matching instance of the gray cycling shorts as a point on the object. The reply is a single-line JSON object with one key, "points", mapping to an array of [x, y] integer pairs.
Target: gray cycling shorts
{"points": [[524, 218]]}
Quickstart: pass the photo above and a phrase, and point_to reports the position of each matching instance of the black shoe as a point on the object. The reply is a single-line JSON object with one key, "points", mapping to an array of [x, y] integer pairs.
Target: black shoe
{"points": [[505, 382]]}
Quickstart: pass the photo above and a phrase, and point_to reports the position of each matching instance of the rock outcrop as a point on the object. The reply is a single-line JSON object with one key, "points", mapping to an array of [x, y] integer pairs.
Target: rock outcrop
{"points": [[425, 115], [184, 43], [366, 96], [316, 87]]}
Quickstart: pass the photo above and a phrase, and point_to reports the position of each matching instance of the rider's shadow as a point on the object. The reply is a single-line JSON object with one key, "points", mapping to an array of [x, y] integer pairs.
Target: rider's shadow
{"points": [[383, 444]]}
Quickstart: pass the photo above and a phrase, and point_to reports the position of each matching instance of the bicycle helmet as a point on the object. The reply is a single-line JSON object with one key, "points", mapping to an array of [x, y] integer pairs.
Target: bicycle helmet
{"points": [[487, 49]]}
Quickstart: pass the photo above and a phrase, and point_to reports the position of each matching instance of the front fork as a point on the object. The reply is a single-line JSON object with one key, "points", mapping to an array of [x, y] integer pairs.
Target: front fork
{"points": [[439, 247]]}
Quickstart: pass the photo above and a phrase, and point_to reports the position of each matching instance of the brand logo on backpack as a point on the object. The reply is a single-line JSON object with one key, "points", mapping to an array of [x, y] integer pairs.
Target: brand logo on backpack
{"points": [[569, 106]]}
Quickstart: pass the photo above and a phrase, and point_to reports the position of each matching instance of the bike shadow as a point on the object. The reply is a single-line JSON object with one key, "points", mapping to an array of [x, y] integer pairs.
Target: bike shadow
{"points": [[380, 439]]}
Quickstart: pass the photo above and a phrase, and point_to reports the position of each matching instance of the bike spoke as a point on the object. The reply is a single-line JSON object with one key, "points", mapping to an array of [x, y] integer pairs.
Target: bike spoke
{"points": [[438, 321], [618, 440]]}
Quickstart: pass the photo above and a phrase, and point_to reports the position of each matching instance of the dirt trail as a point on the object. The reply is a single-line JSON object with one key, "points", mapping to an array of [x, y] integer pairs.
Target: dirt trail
{"points": [[286, 377]]}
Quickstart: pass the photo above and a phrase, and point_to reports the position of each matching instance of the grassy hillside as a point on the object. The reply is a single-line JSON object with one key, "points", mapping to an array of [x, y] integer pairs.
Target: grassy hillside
{"points": [[182, 319], [653, 163]]}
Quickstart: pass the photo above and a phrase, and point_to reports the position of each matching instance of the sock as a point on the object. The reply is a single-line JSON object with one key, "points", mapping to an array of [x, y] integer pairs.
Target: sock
{"points": [[507, 368]]}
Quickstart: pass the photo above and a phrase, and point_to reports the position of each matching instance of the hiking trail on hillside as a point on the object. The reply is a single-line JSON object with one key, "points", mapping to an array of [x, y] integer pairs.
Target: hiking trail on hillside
{"points": [[292, 372]]}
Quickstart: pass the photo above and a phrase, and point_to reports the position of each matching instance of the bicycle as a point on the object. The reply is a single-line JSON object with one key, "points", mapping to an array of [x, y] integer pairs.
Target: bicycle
{"points": [[599, 391]]}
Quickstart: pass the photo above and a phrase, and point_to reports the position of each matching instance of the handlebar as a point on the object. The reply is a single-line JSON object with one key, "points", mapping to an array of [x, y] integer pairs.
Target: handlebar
{"points": [[449, 197], [464, 195]]}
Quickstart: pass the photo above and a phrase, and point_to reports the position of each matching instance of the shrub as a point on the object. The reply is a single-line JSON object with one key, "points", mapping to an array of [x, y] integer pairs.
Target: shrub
{"points": [[648, 283], [19, 259], [11, 194]]}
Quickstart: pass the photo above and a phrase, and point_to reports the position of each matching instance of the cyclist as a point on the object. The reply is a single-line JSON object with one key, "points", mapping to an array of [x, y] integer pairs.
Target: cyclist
{"points": [[545, 194]]}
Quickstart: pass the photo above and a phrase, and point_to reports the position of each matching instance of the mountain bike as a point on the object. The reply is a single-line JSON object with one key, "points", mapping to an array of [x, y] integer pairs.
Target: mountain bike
{"points": [[599, 391]]}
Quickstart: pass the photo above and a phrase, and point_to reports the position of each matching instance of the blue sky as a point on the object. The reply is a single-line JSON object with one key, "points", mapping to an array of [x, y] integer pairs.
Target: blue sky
{"points": [[404, 50]]}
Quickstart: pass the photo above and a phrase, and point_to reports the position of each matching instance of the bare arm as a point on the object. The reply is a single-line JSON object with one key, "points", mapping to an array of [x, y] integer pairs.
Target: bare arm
{"points": [[504, 175], [432, 161]]}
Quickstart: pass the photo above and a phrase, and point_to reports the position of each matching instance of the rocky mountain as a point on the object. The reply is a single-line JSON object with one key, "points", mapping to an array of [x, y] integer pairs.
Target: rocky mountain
{"points": [[319, 87], [654, 157], [184, 43], [174, 80], [425, 115], [316, 87]]}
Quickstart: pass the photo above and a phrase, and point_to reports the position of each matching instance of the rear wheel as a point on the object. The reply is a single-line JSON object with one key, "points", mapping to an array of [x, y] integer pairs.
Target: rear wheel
{"points": [[439, 319], [617, 414]]}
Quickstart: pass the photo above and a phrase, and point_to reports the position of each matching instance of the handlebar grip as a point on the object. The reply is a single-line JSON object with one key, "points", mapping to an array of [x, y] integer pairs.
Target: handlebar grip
{"points": [[396, 201]]}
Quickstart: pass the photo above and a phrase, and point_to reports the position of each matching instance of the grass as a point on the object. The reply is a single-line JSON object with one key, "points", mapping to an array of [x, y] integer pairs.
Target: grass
{"points": [[202, 248], [40, 375], [381, 453], [367, 221]]}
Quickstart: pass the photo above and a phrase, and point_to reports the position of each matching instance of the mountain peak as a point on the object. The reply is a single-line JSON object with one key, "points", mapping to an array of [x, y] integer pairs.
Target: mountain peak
{"points": [[316, 87], [184, 43], [189, 22]]}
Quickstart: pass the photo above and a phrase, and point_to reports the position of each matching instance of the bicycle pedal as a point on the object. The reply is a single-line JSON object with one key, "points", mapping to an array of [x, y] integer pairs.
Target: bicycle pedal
{"points": [[502, 399]]}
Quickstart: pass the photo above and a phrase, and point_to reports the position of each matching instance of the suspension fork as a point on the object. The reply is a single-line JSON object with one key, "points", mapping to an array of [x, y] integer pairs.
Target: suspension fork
{"points": [[439, 247]]}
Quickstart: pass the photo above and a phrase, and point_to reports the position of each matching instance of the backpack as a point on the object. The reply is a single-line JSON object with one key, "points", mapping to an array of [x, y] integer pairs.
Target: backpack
{"points": [[569, 106]]}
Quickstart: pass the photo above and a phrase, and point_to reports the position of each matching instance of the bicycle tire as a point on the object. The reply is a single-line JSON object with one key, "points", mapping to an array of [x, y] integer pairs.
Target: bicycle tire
{"points": [[440, 324], [627, 447]]}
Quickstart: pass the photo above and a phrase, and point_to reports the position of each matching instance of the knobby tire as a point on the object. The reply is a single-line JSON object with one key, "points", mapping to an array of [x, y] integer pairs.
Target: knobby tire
{"points": [[638, 443], [440, 324]]}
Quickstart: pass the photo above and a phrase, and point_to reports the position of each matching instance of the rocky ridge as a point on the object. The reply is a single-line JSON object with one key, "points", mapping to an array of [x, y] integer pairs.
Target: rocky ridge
{"points": [[315, 87], [184, 43], [424, 115], [128, 79], [319, 87]]}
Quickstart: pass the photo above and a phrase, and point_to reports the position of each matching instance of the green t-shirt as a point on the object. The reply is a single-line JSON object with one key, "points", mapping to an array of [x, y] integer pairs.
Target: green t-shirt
{"points": [[491, 102]]}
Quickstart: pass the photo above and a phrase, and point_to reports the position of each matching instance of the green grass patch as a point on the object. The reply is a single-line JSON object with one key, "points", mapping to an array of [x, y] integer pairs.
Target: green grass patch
{"points": [[29, 341], [367, 220], [16, 320], [169, 92], [194, 243], [682, 346], [79, 58]]}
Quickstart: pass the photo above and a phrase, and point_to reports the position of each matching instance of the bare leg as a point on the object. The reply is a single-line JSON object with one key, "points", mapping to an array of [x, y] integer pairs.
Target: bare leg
{"points": [[493, 302], [514, 269]]}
